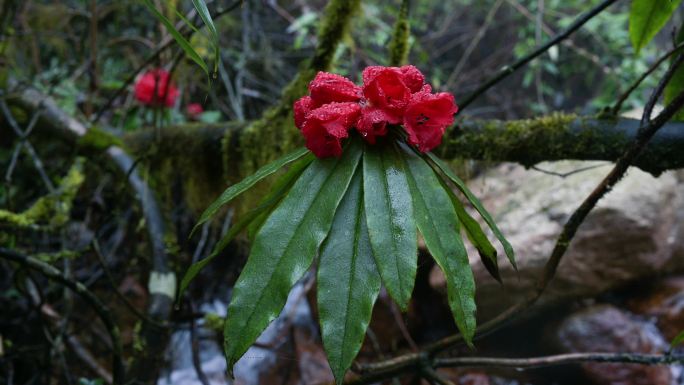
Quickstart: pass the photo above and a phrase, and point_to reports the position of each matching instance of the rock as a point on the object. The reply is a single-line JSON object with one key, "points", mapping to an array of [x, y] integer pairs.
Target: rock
{"points": [[634, 232], [665, 303], [604, 328]]}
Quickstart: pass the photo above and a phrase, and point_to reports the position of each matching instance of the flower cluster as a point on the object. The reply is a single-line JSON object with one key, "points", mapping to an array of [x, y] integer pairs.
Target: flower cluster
{"points": [[389, 96], [156, 80]]}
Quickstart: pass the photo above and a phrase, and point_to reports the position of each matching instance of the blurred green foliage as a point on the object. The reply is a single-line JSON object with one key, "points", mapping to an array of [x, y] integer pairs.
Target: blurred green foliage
{"points": [[82, 60]]}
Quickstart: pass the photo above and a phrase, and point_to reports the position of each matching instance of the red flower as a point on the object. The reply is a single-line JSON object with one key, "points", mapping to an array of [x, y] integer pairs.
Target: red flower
{"points": [[301, 108], [327, 88], [158, 80], [372, 123], [384, 89], [326, 126], [427, 117], [410, 75], [413, 78], [194, 110]]}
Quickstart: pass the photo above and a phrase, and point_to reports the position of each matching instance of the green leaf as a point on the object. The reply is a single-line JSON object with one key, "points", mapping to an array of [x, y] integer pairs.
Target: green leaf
{"points": [[257, 214], [677, 340], [647, 18], [444, 168], [477, 237], [389, 215], [284, 249], [233, 191], [203, 12], [177, 36], [676, 85], [348, 282], [279, 189], [438, 222]]}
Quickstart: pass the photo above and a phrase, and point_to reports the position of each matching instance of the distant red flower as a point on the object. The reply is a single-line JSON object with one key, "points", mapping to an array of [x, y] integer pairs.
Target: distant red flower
{"points": [[326, 126], [427, 117], [194, 110], [158, 79]]}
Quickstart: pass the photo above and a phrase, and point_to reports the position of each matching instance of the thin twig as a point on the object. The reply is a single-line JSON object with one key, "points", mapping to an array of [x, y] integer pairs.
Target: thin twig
{"points": [[473, 43], [102, 311], [561, 359], [508, 70], [567, 174], [194, 344], [23, 141], [618, 105]]}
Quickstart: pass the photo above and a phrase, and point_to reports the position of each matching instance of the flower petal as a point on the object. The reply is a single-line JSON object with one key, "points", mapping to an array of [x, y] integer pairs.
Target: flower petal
{"points": [[427, 117], [327, 88], [386, 91], [326, 126], [301, 108], [413, 78], [372, 123]]}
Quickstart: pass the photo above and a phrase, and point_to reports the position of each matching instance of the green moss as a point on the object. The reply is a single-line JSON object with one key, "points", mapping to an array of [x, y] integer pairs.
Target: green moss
{"points": [[51, 210], [185, 153], [214, 322], [98, 140], [399, 46]]}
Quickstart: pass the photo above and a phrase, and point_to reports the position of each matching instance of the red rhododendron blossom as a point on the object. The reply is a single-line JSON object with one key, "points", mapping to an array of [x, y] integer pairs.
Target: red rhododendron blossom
{"points": [[413, 78], [327, 88], [372, 123], [410, 75], [194, 110], [390, 95], [386, 91], [301, 108], [427, 117], [326, 126], [166, 92]]}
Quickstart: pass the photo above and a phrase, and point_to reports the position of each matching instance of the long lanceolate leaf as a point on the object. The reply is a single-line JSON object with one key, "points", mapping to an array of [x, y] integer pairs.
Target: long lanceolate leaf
{"points": [[284, 248], [279, 189], [182, 41], [437, 221], [203, 12], [348, 282], [391, 227], [233, 191], [444, 168], [477, 237]]}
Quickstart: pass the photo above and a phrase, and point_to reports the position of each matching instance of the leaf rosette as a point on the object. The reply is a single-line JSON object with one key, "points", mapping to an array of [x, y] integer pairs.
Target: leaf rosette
{"points": [[355, 201]]}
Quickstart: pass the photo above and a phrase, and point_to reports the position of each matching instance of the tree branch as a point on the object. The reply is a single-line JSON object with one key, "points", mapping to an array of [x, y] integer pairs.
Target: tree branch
{"points": [[561, 359]]}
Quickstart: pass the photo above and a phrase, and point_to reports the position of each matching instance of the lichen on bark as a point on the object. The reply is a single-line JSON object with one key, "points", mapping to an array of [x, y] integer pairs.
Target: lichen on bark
{"points": [[52, 210]]}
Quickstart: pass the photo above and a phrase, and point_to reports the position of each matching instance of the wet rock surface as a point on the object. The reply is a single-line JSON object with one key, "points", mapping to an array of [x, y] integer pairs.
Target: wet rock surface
{"points": [[633, 233], [605, 328]]}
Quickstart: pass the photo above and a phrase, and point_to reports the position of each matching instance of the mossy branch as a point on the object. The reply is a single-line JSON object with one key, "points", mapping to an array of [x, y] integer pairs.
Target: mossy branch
{"points": [[52, 210], [399, 45]]}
